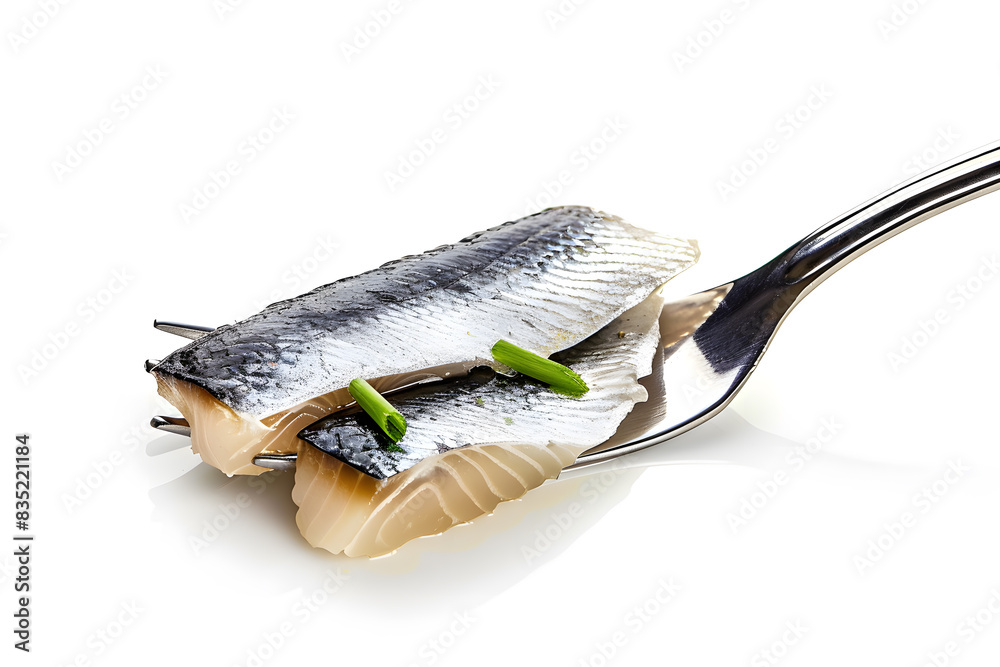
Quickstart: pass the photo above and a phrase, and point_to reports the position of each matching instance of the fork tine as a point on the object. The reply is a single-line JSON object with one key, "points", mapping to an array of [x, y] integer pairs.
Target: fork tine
{"points": [[190, 331], [177, 425], [284, 462]]}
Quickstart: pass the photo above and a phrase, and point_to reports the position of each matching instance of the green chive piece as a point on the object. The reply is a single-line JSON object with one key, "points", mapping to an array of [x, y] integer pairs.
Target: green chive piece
{"points": [[372, 402], [560, 378]]}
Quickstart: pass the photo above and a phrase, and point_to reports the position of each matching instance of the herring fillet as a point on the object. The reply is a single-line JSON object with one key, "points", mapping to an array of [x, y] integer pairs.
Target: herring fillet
{"points": [[470, 455], [544, 282]]}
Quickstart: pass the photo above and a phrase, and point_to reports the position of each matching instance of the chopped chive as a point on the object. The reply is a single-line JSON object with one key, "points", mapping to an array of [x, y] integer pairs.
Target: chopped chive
{"points": [[560, 378], [372, 402]]}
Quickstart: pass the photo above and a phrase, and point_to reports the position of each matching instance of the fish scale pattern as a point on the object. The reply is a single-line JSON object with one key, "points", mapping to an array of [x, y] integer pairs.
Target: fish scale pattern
{"points": [[461, 458], [470, 410], [544, 282]]}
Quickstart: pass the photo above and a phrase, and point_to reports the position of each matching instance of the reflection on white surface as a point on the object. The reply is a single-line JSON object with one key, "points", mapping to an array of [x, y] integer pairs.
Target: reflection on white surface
{"points": [[251, 520]]}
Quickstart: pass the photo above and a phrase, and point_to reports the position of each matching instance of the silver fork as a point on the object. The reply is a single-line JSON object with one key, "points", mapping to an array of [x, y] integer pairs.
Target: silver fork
{"points": [[713, 340]]}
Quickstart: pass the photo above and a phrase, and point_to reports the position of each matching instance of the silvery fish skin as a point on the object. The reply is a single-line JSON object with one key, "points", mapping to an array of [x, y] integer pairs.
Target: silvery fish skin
{"points": [[468, 446], [544, 282], [485, 407]]}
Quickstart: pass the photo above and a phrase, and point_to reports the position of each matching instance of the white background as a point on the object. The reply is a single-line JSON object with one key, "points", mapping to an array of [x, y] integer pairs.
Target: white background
{"points": [[116, 506]]}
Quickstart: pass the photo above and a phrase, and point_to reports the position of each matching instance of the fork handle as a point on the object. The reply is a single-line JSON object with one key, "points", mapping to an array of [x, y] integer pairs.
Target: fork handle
{"points": [[829, 248]]}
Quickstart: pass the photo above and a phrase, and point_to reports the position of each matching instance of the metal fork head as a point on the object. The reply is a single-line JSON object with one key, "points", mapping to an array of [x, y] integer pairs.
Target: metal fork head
{"points": [[722, 339], [712, 341]]}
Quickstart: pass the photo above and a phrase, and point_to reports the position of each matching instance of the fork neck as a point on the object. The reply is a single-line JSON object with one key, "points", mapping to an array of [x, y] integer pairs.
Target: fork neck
{"points": [[822, 253]]}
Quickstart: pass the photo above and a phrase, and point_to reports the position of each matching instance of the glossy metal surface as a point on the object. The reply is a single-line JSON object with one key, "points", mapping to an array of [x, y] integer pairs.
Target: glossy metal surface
{"points": [[176, 425], [714, 339], [275, 461]]}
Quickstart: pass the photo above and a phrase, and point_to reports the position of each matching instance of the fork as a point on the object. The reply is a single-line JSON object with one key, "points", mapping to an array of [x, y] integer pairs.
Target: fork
{"points": [[711, 341]]}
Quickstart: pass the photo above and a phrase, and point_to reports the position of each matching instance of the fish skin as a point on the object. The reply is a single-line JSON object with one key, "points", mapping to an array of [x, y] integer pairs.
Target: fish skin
{"points": [[571, 269], [485, 408], [346, 511]]}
